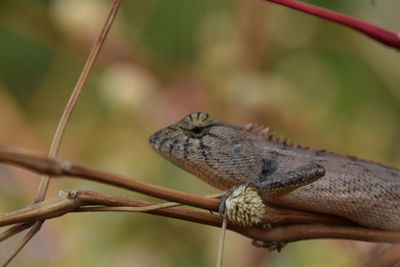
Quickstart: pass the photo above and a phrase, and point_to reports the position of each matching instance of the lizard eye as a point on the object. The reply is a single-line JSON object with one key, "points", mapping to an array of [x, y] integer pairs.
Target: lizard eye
{"points": [[197, 131]]}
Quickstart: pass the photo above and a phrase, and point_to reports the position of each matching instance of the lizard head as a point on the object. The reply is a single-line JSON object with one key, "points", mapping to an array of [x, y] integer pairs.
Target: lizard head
{"points": [[221, 154]]}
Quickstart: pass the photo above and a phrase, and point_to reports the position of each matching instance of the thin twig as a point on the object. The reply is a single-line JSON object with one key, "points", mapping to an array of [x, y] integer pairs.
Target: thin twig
{"points": [[379, 34], [66, 116], [131, 209], [55, 145], [221, 242], [36, 227], [14, 230], [50, 208]]}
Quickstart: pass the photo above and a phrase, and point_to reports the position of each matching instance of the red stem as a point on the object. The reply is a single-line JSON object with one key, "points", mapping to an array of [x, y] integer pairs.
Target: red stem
{"points": [[381, 35]]}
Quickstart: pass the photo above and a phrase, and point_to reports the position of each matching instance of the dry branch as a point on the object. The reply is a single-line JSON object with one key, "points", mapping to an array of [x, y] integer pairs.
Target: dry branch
{"points": [[288, 224], [56, 167]]}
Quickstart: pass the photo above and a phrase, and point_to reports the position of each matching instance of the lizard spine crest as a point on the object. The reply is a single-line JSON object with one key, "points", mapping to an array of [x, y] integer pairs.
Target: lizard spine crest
{"points": [[265, 134]]}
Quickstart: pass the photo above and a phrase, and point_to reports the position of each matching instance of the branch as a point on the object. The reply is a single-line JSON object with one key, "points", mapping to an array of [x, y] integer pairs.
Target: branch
{"points": [[287, 230], [379, 34], [56, 167], [288, 224]]}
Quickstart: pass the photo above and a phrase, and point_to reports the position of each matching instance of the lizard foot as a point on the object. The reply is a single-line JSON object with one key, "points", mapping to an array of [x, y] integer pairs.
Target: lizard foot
{"points": [[271, 246], [242, 205]]}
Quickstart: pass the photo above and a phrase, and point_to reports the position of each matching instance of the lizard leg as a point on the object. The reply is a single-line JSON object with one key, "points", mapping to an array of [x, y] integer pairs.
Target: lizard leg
{"points": [[280, 184], [275, 185], [284, 183]]}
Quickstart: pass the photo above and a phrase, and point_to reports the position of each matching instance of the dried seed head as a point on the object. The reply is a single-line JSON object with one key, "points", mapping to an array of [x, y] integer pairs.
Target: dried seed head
{"points": [[244, 206]]}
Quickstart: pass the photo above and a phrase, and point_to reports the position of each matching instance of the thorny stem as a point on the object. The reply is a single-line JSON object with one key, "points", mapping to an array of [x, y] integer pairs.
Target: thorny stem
{"points": [[55, 145], [379, 34]]}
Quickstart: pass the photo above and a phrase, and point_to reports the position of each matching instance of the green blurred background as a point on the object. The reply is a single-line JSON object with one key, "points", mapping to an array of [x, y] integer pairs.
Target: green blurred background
{"points": [[243, 61]]}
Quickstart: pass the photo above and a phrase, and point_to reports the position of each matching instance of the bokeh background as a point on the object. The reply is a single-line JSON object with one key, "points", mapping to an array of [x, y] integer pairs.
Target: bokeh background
{"points": [[243, 61]]}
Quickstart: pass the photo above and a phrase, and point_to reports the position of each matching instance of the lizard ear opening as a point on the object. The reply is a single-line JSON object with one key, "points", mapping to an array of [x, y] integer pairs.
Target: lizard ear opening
{"points": [[237, 147]]}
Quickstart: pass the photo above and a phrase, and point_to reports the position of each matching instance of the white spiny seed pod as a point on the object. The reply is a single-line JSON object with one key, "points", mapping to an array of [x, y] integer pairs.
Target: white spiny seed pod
{"points": [[244, 206]]}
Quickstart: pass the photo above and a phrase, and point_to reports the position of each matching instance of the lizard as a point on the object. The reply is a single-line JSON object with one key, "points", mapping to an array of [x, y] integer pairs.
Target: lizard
{"points": [[226, 156]]}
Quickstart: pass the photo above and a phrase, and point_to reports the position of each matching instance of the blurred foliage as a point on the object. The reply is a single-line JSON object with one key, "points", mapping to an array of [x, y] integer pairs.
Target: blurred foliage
{"points": [[242, 61]]}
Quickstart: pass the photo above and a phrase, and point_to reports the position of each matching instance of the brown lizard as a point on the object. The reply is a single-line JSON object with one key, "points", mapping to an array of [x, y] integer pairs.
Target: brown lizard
{"points": [[226, 155]]}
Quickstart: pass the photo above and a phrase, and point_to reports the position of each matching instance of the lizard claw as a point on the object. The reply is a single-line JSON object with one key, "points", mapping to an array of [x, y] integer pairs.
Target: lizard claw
{"points": [[222, 208], [271, 246], [223, 198]]}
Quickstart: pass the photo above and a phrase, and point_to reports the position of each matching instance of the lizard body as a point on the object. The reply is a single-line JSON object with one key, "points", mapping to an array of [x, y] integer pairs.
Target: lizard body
{"points": [[226, 155]]}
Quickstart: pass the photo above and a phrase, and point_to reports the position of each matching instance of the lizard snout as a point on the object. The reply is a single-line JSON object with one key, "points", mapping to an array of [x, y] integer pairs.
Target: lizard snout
{"points": [[153, 140]]}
